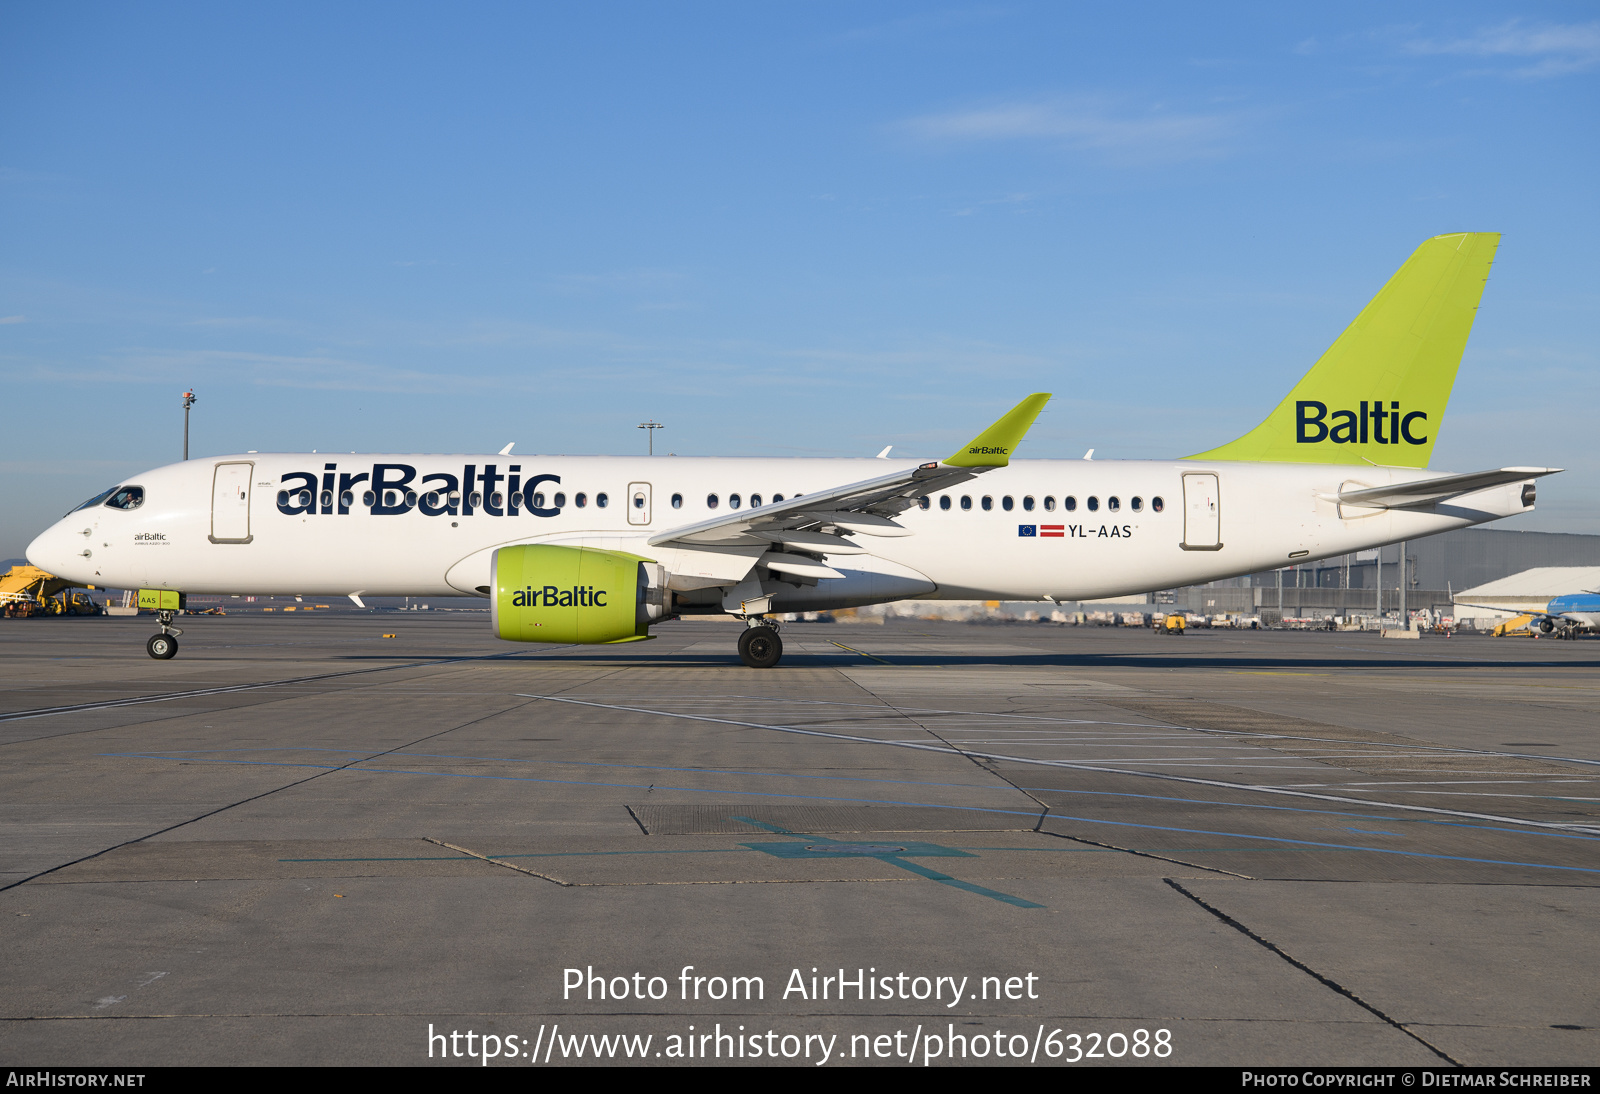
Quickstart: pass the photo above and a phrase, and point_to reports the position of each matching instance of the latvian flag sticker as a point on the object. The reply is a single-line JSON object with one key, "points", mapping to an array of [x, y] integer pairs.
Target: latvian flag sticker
{"points": [[1057, 530]]}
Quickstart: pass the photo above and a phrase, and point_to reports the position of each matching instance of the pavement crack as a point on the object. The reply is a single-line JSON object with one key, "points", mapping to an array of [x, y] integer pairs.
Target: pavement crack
{"points": [[263, 794], [1325, 981], [500, 862]]}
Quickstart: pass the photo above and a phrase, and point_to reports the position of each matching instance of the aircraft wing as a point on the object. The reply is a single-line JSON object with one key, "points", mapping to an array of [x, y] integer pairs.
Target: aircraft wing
{"points": [[866, 507], [1424, 492]]}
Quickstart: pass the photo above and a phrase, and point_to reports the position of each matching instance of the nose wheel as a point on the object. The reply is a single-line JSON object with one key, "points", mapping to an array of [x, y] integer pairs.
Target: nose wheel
{"points": [[164, 646], [760, 647]]}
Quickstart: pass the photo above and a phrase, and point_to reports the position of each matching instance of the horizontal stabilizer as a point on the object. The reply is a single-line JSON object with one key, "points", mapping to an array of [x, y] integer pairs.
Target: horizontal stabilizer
{"points": [[1424, 492]]}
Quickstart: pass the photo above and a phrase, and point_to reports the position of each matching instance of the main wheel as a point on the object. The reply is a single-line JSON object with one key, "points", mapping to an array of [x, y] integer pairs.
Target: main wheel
{"points": [[760, 647], [163, 647]]}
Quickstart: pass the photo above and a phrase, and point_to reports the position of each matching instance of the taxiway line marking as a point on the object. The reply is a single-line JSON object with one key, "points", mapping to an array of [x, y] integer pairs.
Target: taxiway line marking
{"points": [[947, 750], [200, 693]]}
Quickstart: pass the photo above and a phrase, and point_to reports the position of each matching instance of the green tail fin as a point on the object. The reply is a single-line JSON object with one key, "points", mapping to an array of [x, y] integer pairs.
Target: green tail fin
{"points": [[1379, 392]]}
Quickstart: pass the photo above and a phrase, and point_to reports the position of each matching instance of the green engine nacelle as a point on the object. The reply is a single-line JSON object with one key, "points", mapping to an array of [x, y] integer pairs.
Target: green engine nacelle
{"points": [[547, 593]]}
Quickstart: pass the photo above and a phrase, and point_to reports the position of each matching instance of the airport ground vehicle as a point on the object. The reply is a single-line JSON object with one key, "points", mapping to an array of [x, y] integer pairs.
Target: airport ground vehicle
{"points": [[29, 591], [1168, 624], [599, 549]]}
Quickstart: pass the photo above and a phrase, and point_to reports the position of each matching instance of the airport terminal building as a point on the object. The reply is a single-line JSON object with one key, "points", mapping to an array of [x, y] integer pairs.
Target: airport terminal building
{"points": [[1436, 570]]}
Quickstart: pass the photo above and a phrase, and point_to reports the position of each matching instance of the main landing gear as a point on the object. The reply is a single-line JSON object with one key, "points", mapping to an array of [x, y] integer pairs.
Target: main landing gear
{"points": [[759, 645], [164, 646]]}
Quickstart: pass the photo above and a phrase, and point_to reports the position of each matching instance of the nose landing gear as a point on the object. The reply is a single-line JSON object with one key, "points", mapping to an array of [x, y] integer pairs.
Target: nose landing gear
{"points": [[759, 644], [164, 646]]}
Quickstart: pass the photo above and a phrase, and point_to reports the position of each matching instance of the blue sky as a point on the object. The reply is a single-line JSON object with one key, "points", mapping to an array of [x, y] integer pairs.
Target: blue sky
{"points": [[805, 229]]}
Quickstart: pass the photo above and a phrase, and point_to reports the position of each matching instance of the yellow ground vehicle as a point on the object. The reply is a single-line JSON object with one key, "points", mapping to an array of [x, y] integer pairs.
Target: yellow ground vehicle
{"points": [[1169, 624], [27, 591], [1515, 628]]}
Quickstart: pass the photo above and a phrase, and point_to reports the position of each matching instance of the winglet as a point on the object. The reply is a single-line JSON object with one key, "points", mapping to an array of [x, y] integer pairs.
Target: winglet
{"points": [[993, 447]]}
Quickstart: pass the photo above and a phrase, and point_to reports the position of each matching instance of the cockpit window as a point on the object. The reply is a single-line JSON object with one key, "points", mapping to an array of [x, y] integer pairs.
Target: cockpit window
{"points": [[126, 497], [96, 500]]}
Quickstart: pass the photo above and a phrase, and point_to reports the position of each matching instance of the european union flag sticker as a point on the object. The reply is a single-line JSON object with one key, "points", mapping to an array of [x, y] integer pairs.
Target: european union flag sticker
{"points": [[1027, 529]]}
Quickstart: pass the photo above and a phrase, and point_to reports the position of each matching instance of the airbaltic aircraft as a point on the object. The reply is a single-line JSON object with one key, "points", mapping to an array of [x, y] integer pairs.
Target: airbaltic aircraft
{"points": [[597, 549]]}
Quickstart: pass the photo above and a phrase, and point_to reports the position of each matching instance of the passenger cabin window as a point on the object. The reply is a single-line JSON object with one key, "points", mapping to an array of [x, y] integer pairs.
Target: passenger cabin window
{"points": [[711, 501], [988, 503], [538, 500], [580, 500], [925, 502], [369, 498], [1113, 503], [327, 500], [776, 498], [516, 499], [755, 500], [1157, 504], [560, 500], [474, 499], [601, 501], [944, 502], [1005, 503], [638, 501], [966, 501], [1137, 503], [677, 501], [1094, 503], [126, 497], [733, 501], [1027, 503], [1069, 503]]}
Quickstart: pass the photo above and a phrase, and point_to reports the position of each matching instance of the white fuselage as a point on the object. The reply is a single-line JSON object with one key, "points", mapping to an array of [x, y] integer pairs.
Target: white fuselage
{"points": [[1250, 517]]}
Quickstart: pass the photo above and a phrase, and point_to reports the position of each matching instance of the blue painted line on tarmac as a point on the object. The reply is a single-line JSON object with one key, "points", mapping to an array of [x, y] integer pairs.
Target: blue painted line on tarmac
{"points": [[920, 805], [902, 863], [1385, 818], [534, 854]]}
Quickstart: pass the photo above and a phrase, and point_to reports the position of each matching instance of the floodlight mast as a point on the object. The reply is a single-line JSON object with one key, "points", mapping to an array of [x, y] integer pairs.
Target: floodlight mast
{"points": [[650, 428], [188, 401]]}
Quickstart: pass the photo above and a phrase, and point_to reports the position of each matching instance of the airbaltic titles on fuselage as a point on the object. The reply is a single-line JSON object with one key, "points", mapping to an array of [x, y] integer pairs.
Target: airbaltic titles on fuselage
{"points": [[391, 489]]}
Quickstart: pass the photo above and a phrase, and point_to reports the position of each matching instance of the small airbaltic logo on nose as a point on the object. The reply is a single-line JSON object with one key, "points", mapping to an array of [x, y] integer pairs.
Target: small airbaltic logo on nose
{"points": [[1315, 425]]}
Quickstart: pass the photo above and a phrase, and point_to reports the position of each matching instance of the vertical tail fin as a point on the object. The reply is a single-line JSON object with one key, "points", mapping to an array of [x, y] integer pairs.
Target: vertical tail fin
{"points": [[1377, 395]]}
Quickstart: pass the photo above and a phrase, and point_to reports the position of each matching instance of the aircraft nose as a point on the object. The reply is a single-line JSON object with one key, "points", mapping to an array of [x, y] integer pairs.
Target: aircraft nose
{"points": [[54, 551]]}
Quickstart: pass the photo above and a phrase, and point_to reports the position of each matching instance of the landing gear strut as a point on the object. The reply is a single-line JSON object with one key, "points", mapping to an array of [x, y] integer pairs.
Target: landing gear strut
{"points": [[759, 645], [164, 646]]}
